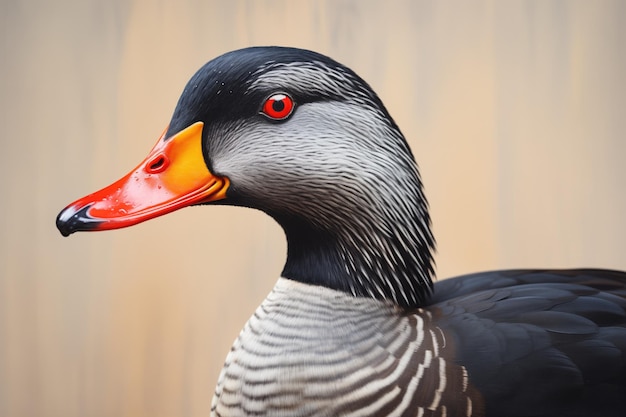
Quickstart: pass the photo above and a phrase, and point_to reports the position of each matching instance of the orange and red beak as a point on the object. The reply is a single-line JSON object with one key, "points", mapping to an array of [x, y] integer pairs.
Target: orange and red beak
{"points": [[173, 176]]}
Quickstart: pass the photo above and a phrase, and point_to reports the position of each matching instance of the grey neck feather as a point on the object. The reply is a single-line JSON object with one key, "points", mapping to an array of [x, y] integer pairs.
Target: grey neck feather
{"points": [[340, 179], [380, 249]]}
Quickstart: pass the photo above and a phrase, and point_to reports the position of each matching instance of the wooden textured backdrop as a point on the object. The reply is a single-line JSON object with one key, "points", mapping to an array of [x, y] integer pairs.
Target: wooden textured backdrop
{"points": [[516, 111]]}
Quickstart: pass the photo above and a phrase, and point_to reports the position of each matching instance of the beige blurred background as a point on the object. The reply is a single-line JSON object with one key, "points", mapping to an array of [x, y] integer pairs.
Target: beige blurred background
{"points": [[515, 110]]}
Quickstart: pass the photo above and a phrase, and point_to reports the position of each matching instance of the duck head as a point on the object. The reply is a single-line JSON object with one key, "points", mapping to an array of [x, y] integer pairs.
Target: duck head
{"points": [[304, 139]]}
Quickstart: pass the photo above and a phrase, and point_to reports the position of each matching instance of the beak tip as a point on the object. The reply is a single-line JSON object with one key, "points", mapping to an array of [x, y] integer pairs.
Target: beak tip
{"points": [[64, 221], [65, 231], [71, 220]]}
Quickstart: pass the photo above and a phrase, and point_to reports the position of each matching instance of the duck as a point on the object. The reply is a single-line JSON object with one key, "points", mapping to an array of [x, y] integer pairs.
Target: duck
{"points": [[356, 324]]}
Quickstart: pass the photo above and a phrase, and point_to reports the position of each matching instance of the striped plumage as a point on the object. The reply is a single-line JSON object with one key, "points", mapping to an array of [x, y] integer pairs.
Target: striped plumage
{"points": [[355, 327], [311, 351]]}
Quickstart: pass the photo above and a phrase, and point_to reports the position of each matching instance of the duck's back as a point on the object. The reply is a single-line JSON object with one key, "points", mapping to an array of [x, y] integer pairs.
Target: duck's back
{"points": [[537, 342]]}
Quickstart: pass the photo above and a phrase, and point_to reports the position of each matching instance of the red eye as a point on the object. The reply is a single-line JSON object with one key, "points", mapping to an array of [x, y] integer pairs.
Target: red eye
{"points": [[278, 106]]}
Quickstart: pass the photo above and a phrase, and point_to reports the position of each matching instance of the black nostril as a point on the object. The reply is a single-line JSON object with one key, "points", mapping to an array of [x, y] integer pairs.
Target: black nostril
{"points": [[157, 164]]}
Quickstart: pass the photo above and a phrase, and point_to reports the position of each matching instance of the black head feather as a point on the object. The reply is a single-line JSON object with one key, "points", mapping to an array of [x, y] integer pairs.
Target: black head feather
{"points": [[337, 175]]}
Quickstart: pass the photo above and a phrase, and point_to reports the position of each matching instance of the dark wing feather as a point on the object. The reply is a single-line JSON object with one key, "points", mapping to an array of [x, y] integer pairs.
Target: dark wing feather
{"points": [[539, 343]]}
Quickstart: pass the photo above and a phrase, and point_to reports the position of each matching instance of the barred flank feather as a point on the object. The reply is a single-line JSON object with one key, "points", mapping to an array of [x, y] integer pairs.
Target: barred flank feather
{"points": [[313, 351]]}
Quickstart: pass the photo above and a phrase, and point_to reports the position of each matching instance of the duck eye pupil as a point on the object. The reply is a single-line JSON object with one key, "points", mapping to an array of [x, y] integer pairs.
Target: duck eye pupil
{"points": [[278, 105]]}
